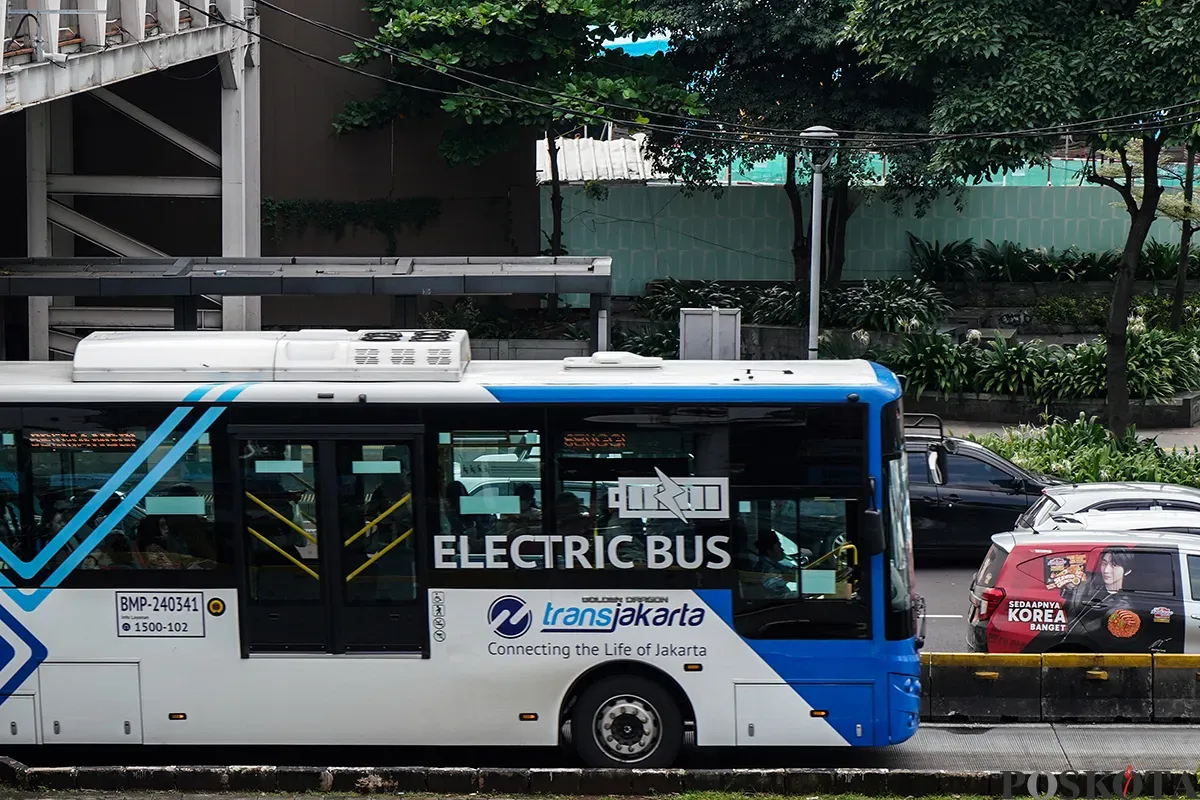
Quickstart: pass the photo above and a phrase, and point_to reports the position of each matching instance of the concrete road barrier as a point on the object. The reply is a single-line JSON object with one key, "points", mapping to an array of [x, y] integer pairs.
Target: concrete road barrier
{"points": [[982, 687], [1060, 687], [1097, 688], [1176, 689], [925, 690]]}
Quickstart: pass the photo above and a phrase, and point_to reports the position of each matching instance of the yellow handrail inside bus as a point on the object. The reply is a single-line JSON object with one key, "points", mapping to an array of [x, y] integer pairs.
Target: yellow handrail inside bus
{"points": [[283, 552], [834, 552], [379, 555], [282, 518], [380, 518]]}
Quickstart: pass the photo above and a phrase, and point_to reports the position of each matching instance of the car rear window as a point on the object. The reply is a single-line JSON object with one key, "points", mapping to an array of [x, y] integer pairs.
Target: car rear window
{"points": [[1057, 570], [1044, 507], [1143, 571], [989, 570]]}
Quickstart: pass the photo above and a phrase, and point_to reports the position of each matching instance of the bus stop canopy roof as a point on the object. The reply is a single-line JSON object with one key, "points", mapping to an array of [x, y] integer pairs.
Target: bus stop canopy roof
{"points": [[409, 276]]}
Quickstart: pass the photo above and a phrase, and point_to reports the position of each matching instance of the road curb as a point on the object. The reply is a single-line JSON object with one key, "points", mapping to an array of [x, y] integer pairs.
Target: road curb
{"points": [[459, 781], [462, 781]]}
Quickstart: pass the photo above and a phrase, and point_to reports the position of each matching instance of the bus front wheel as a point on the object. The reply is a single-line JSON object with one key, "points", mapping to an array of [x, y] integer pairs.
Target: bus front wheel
{"points": [[627, 721]]}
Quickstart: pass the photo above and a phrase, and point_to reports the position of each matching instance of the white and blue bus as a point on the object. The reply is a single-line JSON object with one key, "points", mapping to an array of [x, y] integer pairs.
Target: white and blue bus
{"points": [[365, 538]]}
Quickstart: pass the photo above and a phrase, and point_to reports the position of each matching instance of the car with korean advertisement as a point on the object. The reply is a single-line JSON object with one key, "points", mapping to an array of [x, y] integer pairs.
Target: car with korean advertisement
{"points": [[1087, 591]]}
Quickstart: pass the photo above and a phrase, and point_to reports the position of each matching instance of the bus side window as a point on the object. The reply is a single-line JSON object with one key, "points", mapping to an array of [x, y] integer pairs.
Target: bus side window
{"points": [[634, 478], [797, 479], [794, 548], [164, 526], [490, 483], [12, 525]]}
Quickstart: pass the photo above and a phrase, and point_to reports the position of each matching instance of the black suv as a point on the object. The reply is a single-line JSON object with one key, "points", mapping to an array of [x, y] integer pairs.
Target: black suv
{"points": [[961, 492]]}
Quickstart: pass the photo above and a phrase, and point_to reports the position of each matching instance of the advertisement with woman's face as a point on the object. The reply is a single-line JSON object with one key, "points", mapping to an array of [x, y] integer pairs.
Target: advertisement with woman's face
{"points": [[1125, 602], [1107, 600]]}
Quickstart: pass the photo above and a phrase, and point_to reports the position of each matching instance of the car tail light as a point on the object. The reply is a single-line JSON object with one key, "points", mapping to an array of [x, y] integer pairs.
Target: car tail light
{"points": [[991, 600]]}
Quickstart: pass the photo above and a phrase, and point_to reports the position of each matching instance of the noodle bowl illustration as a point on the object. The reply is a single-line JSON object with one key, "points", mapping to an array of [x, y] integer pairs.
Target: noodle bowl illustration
{"points": [[1124, 623]]}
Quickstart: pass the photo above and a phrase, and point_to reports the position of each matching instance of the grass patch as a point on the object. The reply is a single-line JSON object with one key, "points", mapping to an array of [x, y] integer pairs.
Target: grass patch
{"points": [[765, 796]]}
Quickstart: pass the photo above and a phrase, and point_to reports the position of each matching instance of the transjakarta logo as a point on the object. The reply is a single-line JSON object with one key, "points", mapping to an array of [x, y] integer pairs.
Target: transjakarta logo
{"points": [[511, 617]]}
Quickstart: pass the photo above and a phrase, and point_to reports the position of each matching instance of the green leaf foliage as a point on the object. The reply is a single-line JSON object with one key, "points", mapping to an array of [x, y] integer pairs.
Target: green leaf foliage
{"points": [[1008, 74], [1160, 365], [782, 67], [887, 305], [385, 216], [1005, 65], [1082, 450], [551, 52], [1008, 262]]}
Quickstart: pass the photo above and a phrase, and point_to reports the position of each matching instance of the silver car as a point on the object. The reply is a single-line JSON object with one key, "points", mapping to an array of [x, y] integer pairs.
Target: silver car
{"points": [[1084, 498]]}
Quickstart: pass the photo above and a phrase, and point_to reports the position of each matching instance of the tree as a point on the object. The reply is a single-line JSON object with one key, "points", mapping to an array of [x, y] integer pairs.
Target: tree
{"points": [[780, 65], [1175, 206], [501, 71], [1181, 207], [1116, 69]]}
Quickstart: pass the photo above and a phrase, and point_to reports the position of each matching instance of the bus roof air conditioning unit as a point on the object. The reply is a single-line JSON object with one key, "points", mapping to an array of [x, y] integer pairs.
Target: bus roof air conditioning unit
{"points": [[308, 355]]}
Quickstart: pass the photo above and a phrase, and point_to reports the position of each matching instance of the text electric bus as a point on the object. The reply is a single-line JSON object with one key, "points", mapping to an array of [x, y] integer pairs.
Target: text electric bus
{"points": [[331, 537]]}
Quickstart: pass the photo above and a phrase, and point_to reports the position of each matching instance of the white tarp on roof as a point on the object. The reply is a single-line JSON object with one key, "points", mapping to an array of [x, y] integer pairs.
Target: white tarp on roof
{"points": [[581, 160]]}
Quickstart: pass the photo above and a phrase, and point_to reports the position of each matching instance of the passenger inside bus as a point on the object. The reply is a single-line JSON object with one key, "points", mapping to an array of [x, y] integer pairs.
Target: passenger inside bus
{"points": [[570, 516], [176, 541], [528, 520]]}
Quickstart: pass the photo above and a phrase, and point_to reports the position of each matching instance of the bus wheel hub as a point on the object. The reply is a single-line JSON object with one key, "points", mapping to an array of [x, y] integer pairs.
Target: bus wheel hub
{"points": [[627, 728]]}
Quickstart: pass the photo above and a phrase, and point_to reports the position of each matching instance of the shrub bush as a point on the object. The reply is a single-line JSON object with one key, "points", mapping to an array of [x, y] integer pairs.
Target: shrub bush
{"points": [[465, 314], [660, 340], [1161, 364], [1083, 450], [933, 362], [1013, 369], [891, 305], [1009, 262], [1092, 312]]}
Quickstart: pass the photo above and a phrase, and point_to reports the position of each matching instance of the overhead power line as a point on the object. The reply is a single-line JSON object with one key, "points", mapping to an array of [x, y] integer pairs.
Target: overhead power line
{"points": [[744, 136], [1139, 120]]}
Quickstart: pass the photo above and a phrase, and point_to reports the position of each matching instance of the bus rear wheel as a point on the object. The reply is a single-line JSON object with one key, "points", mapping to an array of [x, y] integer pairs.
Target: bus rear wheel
{"points": [[627, 721]]}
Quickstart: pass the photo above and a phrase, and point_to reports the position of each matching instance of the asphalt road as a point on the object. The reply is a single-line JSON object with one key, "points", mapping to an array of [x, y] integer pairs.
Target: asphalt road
{"points": [[944, 588]]}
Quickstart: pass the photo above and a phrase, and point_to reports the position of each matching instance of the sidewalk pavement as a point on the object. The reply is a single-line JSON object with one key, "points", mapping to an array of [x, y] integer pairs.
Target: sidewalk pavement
{"points": [[1168, 438]]}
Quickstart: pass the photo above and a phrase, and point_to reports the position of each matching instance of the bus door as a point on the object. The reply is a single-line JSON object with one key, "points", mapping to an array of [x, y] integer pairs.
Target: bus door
{"points": [[329, 522]]}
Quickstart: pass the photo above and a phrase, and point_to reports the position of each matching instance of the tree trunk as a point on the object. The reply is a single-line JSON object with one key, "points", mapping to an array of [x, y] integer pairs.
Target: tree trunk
{"points": [[800, 254], [1140, 220], [556, 199], [841, 209], [1185, 241]]}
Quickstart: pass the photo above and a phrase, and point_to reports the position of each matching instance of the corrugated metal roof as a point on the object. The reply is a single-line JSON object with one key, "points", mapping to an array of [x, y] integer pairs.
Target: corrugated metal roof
{"points": [[581, 160]]}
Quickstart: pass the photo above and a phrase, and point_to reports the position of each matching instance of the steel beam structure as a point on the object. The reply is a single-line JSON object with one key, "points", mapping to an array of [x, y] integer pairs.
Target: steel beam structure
{"points": [[175, 277], [239, 168], [129, 318], [157, 126], [93, 57], [98, 233], [133, 185], [40, 82], [37, 216]]}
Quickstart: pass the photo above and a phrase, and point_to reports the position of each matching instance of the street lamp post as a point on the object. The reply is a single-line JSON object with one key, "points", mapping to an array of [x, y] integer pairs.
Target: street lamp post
{"points": [[817, 133]]}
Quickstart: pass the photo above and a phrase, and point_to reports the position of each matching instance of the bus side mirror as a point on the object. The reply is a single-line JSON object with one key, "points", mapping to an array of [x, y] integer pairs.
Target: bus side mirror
{"points": [[873, 539]]}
